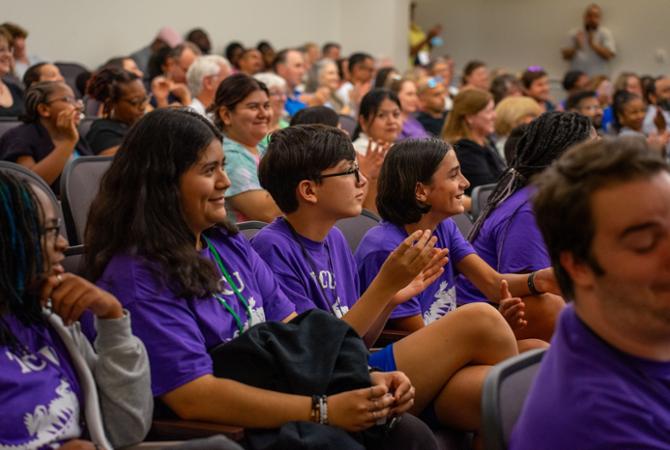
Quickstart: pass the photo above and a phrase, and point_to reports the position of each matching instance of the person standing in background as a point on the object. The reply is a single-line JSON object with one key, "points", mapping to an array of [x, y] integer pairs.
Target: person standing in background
{"points": [[592, 47]]}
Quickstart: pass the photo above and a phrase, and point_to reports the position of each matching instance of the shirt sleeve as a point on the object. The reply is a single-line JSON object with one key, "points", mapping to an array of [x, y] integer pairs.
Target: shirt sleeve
{"points": [[243, 174], [459, 247], [103, 139], [607, 40], [14, 145], [520, 246], [167, 327]]}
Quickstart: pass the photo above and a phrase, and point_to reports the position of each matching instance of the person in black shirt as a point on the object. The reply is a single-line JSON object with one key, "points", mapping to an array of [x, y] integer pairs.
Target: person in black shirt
{"points": [[124, 101], [468, 128], [48, 138], [432, 96], [11, 96]]}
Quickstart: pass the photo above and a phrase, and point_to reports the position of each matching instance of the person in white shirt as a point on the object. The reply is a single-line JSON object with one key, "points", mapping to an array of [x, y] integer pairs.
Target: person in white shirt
{"points": [[592, 47], [203, 78]]}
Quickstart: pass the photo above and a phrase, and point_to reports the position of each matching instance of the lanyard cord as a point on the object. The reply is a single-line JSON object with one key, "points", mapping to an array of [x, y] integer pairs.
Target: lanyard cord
{"points": [[329, 300], [233, 286]]}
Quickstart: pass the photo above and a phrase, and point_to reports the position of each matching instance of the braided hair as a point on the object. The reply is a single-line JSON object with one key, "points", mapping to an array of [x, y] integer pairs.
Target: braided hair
{"points": [[37, 94], [21, 256], [105, 86], [545, 139]]}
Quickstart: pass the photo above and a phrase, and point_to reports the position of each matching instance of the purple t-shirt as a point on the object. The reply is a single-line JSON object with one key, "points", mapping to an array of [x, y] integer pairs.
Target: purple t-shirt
{"points": [[589, 395], [509, 241], [331, 258], [412, 128], [437, 299], [178, 332], [39, 391]]}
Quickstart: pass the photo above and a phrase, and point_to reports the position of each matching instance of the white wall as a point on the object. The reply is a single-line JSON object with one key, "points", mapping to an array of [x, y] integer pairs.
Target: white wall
{"points": [[91, 31], [517, 33]]}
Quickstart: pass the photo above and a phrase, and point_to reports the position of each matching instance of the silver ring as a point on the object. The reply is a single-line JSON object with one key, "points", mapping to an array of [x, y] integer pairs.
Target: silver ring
{"points": [[59, 277]]}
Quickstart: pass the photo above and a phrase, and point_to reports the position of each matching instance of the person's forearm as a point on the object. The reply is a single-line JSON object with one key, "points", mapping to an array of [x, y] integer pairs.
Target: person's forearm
{"points": [[378, 325], [370, 309], [416, 48], [52, 165], [569, 53], [601, 51], [232, 403]]}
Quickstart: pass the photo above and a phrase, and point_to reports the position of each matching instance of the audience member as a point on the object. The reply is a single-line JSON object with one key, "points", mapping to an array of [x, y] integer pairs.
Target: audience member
{"points": [[603, 382], [657, 119], [268, 54], [629, 116], [203, 78], [251, 61], [123, 100], [628, 81], [58, 390], [233, 52], [125, 63], [505, 85], [476, 76], [277, 94], [242, 111], [591, 47], [405, 89], [505, 234], [41, 72], [22, 59], [361, 70], [575, 81], [420, 42], [385, 75], [166, 37], [168, 270], [164, 72], [290, 65], [468, 128], [535, 82], [510, 113], [199, 37], [48, 138], [420, 188], [587, 104], [322, 83], [331, 50], [184, 54], [433, 100], [311, 54], [325, 186], [602, 85], [11, 96]]}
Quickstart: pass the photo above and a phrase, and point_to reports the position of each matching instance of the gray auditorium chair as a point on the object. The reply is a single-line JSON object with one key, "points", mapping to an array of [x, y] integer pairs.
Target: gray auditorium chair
{"points": [[505, 390], [464, 223], [79, 185], [480, 196], [354, 228], [250, 228]]}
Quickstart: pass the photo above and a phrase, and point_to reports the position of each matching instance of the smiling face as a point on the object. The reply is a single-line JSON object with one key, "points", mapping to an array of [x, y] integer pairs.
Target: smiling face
{"points": [[632, 247], [482, 124], [6, 57], [445, 191], [132, 103], [539, 89], [386, 124], [202, 188], [632, 115], [249, 120], [329, 77]]}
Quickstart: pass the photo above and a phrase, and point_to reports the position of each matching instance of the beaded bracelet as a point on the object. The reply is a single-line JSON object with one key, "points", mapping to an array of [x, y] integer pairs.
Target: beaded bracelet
{"points": [[319, 413]]}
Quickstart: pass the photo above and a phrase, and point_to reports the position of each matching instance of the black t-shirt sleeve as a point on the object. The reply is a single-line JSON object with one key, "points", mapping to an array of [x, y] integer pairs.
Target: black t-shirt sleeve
{"points": [[15, 144], [104, 136]]}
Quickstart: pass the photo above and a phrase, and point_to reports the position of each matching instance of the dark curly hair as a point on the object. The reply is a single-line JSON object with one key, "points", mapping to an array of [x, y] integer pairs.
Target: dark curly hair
{"points": [[545, 139], [138, 206], [105, 86]]}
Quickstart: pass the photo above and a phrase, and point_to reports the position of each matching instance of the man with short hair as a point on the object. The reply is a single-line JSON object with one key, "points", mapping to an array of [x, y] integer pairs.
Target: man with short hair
{"points": [[432, 105], [203, 78], [361, 73], [290, 65], [587, 104], [592, 47], [184, 54], [331, 50], [251, 61], [604, 211]]}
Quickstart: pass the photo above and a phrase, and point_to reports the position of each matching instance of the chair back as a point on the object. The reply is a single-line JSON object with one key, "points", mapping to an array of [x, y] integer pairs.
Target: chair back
{"points": [[480, 196], [70, 72], [74, 259], [78, 187], [26, 174], [7, 123], [464, 223], [85, 125], [348, 124], [505, 390], [250, 228], [354, 228]]}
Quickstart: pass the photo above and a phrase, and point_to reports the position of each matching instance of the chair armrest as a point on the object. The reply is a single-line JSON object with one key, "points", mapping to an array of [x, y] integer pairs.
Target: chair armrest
{"points": [[174, 429]]}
